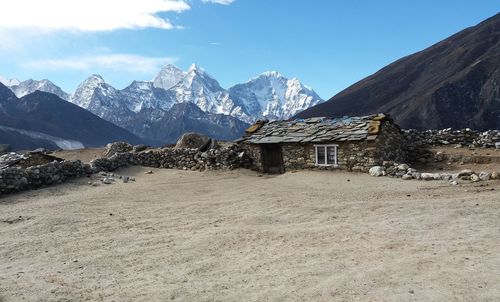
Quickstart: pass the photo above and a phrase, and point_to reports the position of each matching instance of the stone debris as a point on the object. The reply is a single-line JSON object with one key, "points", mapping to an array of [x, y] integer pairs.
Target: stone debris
{"points": [[377, 171], [392, 169], [484, 176]]}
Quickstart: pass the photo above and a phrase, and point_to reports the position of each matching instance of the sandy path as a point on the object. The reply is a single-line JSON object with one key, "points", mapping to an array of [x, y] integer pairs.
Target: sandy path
{"points": [[233, 236]]}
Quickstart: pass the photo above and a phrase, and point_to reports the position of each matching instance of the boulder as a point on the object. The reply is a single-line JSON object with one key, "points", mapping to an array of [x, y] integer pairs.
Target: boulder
{"points": [[484, 176], [495, 175], [430, 176], [117, 147], [466, 172], [403, 167], [474, 178], [193, 140], [407, 177], [377, 171]]}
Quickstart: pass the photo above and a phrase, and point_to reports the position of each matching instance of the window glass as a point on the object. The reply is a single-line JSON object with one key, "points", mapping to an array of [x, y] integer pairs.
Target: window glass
{"points": [[331, 155], [320, 155]]}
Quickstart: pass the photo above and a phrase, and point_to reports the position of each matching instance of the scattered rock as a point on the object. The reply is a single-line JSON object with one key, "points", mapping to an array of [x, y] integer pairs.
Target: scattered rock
{"points": [[430, 176], [148, 172], [403, 167], [466, 172], [495, 175], [474, 178], [407, 177], [377, 171], [484, 176], [125, 179], [107, 180]]}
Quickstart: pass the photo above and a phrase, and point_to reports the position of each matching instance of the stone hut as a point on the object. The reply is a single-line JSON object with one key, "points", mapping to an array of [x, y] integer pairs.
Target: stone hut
{"points": [[351, 143]]}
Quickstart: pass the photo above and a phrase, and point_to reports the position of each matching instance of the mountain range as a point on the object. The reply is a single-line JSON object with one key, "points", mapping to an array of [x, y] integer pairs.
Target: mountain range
{"points": [[42, 119], [454, 83], [145, 107]]}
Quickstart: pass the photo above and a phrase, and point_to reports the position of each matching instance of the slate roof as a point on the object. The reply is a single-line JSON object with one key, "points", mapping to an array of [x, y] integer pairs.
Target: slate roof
{"points": [[315, 130]]}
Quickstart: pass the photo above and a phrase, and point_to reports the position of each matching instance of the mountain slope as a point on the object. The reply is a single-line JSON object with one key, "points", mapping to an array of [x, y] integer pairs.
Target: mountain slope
{"points": [[454, 83], [46, 113], [187, 117], [102, 99]]}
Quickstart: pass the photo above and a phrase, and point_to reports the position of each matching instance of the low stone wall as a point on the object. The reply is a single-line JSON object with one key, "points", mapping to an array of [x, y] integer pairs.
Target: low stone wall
{"points": [[169, 158], [15, 179], [464, 137]]}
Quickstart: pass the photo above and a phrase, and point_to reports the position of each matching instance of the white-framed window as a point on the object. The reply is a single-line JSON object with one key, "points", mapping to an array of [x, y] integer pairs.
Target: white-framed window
{"points": [[326, 155]]}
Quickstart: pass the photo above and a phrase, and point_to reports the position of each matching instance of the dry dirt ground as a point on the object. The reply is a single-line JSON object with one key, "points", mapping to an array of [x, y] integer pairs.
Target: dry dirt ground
{"points": [[235, 236]]}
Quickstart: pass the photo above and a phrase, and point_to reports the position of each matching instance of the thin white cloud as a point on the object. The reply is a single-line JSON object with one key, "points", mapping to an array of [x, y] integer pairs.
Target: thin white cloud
{"points": [[223, 2], [88, 15], [115, 62]]}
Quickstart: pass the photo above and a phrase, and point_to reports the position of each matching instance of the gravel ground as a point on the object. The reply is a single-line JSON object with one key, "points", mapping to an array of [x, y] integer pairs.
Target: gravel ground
{"points": [[237, 236]]}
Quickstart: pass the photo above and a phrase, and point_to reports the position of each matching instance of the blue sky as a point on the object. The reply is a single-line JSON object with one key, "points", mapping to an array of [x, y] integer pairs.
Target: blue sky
{"points": [[327, 44]]}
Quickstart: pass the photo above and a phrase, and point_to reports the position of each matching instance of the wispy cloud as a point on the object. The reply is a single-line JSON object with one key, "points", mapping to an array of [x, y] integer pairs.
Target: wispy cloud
{"points": [[223, 2], [114, 62], [89, 15]]}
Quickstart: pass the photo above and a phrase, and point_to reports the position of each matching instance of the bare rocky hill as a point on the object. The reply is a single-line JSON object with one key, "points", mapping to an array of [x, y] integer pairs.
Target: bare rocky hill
{"points": [[454, 83]]}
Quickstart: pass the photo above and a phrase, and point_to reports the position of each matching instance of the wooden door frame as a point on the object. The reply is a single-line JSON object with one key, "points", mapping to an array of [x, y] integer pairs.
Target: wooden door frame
{"points": [[265, 154]]}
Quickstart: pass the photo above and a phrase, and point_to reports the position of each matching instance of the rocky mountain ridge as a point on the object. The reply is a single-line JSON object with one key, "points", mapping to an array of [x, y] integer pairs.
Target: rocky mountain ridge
{"points": [[452, 84]]}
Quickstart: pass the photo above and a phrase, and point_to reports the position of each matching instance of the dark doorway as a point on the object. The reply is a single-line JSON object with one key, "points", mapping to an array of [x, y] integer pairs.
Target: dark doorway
{"points": [[272, 159]]}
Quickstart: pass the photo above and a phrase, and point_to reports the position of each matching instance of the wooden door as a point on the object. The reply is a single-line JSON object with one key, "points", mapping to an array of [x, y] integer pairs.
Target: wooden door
{"points": [[272, 159]]}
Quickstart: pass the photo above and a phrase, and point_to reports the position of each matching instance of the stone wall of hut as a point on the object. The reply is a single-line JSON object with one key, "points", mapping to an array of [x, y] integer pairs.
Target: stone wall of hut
{"points": [[352, 156]]}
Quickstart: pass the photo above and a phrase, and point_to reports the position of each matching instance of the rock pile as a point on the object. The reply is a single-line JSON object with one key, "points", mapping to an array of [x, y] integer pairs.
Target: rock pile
{"points": [[405, 172]]}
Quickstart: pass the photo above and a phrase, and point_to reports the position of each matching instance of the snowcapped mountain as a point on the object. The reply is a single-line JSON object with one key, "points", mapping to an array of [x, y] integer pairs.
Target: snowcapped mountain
{"points": [[198, 87], [144, 95], [144, 106], [168, 77], [272, 96], [21, 89], [102, 99], [9, 82]]}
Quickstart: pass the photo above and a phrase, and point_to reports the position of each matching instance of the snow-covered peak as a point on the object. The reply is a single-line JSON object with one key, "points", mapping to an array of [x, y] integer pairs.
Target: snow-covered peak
{"points": [[29, 86], [270, 95], [168, 77], [94, 79], [271, 74], [87, 90], [9, 82], [195, 67]]}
